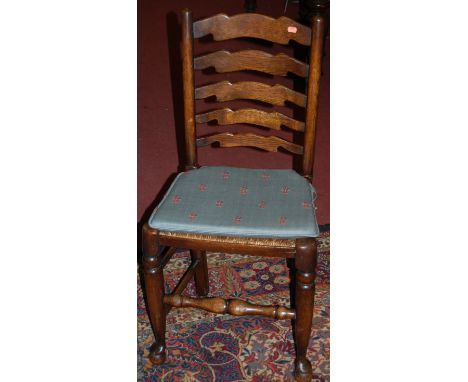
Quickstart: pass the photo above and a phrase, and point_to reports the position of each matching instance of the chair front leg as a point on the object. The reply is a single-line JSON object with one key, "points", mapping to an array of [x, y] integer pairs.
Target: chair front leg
{"points": [[154, 287], [201, 273], [305, 261]]}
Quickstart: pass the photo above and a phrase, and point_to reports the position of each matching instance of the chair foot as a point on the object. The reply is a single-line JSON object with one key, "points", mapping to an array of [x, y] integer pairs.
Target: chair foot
{"points": [[303, 370], [157, 354]]}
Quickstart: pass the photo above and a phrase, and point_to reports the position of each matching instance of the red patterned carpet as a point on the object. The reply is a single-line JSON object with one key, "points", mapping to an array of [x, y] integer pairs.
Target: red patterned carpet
{"points": [[206, 347]]}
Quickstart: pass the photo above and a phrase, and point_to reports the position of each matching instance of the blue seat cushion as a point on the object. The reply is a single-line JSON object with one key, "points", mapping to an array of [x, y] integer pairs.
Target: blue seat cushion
{"points": [[230, 201]]}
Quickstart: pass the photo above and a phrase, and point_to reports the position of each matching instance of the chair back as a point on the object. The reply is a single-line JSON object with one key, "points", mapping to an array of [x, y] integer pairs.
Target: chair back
{"points": [[280, 31]]}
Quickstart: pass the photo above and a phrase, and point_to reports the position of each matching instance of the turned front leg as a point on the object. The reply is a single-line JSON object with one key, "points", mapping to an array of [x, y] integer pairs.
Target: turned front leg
{"points": [[154, 287], [201, 273], [305, 261]]}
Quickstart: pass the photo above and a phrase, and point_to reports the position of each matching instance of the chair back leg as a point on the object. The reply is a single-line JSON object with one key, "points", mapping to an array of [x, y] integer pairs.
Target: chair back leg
{"points": [[201, 273]]}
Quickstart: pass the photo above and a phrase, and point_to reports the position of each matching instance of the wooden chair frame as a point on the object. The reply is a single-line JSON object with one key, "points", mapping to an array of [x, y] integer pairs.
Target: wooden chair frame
{"points": [[159, 246]]}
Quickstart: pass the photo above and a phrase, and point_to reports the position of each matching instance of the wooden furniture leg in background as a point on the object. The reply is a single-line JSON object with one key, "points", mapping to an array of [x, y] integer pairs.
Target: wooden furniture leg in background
{"points": [[201, 273]]}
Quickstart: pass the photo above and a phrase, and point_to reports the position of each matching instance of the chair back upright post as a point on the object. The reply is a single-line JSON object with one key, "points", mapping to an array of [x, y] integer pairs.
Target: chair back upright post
{"points": [[313, 86], [281, 31], [189, 90]]}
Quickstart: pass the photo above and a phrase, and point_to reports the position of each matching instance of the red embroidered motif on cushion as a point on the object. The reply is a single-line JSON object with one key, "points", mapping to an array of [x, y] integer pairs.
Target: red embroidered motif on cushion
{"points": [[202, 187], [237, 220], [285, 190], [219, 203], [244, 190], [307, 205], [265, 177], [192, 216], [262, 204], [282, 220], [226, 174], [176, 199]]}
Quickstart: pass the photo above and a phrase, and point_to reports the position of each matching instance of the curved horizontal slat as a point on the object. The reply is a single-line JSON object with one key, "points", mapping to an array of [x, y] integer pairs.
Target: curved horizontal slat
{"points": [[280, 30], [224, 61], [275, 95], [273, 120], [270, 143]]}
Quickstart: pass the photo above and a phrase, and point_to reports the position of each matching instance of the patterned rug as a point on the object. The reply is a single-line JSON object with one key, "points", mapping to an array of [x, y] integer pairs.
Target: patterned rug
{"points": [[202, 346]]}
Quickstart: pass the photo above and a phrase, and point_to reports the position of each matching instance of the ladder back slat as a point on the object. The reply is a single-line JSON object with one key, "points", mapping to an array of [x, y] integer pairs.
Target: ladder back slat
{"points": [[274, 95], [280, 30], [268, 143], [258, 117], [224, 61]]}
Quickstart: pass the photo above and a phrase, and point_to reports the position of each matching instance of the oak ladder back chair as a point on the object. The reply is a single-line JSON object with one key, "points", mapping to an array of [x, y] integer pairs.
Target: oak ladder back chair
{"points": [[238, 210]]}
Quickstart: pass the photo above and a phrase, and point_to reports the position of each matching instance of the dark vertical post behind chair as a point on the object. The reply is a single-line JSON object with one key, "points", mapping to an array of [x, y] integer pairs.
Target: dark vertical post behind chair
{"points": [[237, 210]]}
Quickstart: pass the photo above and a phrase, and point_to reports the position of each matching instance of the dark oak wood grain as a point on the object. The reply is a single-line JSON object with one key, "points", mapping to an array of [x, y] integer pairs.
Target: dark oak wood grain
{"points": [[280, 30], [274, 95], [224, 62], [270, 143], [258, 117]]}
